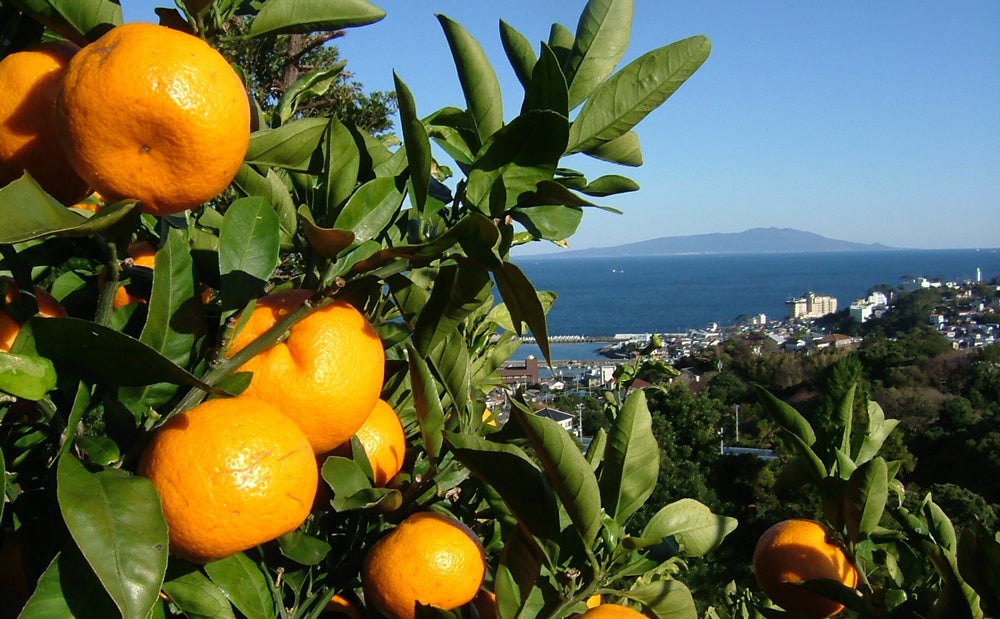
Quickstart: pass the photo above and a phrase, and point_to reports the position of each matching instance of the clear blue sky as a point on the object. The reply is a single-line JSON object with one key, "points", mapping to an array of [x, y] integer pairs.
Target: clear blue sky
{"points": [[863, 121]]}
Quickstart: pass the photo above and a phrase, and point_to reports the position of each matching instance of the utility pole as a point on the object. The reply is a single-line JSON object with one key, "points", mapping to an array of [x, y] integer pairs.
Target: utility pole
{"points": [[737, 423]]}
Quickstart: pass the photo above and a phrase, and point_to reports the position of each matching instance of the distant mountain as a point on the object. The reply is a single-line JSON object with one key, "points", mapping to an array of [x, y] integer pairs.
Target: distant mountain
{"points": [[753, 241]]}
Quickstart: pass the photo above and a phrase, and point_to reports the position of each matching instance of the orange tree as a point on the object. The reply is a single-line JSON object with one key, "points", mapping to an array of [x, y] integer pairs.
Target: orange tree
{"points": [[320, 205]]}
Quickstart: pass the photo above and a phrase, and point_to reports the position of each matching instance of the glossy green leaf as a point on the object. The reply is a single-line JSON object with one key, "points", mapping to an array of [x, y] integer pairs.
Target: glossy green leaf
{"points": [[415, 141], [940, 525], [302, 548], [352, 488], [552, 223], [602, 35], [271, 188], [695, 527], [561, 42], [343, 164], [609, 185], [623, 100], [523, 304], [26, 376], [451, 363], [248, 251], [479, 83], [566, 469], [372, 207], [631, 460], [666, 599], [546, 90], [844, 418], [194, 594], [307, 16], [522, 154], [876, 431], [865, 497], [458, 291], [117, 522], [519, 52], [430, 413], [244, 584], [312, 84], [293, 146], [30, 213], [514, 477], [517, 577], [87, 349], [623, 150], [81, 21], [785, 416], [68, 589]]}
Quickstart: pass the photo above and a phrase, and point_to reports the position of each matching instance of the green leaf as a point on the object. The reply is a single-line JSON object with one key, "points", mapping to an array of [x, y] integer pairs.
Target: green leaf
{"points": [[307, 16], [352, 488], [865, 498], [519, 52], [547, 88], [302, 548], [117, 522], [979, 564], [552, 223], [248, 251], [515, 478], [479, 82], [940, 525], [272, 189], [26, 376], [87, 349], [79, 21], [81, 597], [561, 42], [29, 213], [194, 594], [844, 418], [328, 242], [623, 150], [458, 291], [877, 430], [695, 527], [523, 304], [430, 413], [343, 164], [517, 577], [628, 96], [522, 154], [602, 35], [293, 146], [667, 599], [174, 318], [244, 584], [631, 460], [609, 185], [312, 84], [372, 207], [566, 469], [785, 416], [415, 141]]}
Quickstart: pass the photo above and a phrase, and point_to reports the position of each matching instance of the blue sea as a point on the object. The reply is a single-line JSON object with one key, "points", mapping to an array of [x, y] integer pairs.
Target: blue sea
{"points": [[669, 294]]}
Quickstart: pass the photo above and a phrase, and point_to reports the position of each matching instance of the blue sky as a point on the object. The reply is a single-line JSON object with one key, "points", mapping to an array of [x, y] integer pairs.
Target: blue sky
{"points": [[863, 121]]}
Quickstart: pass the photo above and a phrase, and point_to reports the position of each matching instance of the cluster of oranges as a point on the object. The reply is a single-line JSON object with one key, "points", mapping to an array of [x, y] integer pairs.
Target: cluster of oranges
{"points": [[144, 112]]}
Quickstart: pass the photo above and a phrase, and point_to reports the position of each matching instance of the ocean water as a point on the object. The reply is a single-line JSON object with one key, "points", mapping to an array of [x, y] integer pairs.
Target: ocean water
{"points": [[666, 294]]}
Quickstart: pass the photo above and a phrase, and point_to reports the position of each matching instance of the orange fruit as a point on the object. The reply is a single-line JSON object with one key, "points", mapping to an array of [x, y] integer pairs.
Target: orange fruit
{"points": [[143, 255], [153, 114], [231, 473], [611, 611], [339, 605], [326, 375], [383, 440], [9, 327], [28, 138], [429, 558], [797, 550]]}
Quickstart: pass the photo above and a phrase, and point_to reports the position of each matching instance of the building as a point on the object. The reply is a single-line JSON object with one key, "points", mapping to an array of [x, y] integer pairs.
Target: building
{"points": [[874, 305], [811, 306], [520, 373], [563, 419]]}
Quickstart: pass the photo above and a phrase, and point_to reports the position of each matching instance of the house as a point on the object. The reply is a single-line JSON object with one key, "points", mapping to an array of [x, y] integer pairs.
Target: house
{"points": [[563, 419], [520, 373]]}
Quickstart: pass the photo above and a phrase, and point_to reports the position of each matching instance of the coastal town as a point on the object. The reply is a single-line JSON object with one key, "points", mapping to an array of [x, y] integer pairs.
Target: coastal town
{"points": [[968, 321]]}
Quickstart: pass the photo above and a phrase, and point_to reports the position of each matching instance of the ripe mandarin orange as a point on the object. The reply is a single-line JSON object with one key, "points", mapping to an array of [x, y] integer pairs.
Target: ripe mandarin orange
{"points": [[326, 375], [794, 551], [143, 256], [612, 611], [383, 440], [28, 138], [9, 327], [429, 558], [231, 473], [153, 114]]}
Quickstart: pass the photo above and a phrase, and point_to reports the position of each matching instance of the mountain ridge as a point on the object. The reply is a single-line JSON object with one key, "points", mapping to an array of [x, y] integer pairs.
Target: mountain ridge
{"points": [[754, 240]]}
